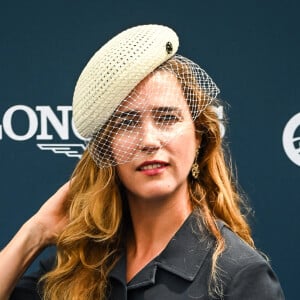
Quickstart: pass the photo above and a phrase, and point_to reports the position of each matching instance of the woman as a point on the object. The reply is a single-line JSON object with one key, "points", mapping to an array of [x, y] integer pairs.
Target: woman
{"points": [[151, 211]]}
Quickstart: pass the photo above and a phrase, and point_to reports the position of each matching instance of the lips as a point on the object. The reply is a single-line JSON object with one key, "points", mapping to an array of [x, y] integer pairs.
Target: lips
{"points": [[151, 165]]}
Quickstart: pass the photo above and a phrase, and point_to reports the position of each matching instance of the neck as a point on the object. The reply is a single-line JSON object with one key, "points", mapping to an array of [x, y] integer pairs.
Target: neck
{"points": [[155, 221]]}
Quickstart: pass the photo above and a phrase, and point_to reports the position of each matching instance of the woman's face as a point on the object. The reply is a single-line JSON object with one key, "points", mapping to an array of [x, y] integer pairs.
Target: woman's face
{"points": [[156, 134]]}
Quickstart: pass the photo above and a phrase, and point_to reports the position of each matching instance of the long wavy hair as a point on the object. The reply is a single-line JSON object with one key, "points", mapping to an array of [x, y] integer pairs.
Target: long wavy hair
{"points": [[94, 239]]}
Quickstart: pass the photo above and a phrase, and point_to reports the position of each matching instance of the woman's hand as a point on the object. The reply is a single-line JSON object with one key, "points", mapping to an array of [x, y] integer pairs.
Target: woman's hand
{"points": [[52, 217]]}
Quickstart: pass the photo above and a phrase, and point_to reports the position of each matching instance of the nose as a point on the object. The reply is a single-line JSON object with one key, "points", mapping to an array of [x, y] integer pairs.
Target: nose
{"points": [[150, 140]]}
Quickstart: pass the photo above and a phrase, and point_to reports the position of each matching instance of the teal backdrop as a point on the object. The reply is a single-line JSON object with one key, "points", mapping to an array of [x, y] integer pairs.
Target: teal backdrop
{"points": [[250, 48]]}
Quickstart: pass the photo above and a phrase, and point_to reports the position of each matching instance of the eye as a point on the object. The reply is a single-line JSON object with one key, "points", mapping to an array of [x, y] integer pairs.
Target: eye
{"points": [[127, 122], [167, 118]]}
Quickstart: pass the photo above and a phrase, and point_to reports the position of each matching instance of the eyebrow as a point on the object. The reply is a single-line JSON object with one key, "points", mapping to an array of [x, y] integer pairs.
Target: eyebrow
{"points": [[166, 109], [127, 113], [124, 114]]}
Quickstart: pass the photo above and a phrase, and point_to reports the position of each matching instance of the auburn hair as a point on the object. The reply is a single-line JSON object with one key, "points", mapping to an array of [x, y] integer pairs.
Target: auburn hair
{"points": [[94, 239]]}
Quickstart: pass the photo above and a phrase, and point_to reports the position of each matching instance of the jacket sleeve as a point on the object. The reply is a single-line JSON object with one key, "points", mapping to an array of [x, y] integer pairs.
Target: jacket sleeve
{"points": [[255, 281], [28, 287]]}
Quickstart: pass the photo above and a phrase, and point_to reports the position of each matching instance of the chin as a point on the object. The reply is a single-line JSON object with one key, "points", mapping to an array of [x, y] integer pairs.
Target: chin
{"points": [[156, 193]]}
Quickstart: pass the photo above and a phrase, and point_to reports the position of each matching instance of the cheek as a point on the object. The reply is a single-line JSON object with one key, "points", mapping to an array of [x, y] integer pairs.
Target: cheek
{"points": [[187, 139], [123, 148], [185, 147], [124, 175]]}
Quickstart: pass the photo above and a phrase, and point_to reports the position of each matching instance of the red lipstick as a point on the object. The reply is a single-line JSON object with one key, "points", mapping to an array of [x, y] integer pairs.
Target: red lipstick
{"points": [[152, 167]]}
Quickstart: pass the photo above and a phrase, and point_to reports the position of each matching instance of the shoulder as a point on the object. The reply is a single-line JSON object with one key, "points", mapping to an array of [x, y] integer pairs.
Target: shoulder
{"points": [[245, 272], [238, 253]]}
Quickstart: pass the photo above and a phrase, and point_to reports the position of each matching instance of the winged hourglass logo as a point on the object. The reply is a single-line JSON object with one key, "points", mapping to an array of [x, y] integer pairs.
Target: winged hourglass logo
{"points": [[70, 150]]}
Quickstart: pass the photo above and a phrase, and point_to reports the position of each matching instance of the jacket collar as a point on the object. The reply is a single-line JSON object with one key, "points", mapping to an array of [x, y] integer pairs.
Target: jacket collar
{"points": [[183, 256]]}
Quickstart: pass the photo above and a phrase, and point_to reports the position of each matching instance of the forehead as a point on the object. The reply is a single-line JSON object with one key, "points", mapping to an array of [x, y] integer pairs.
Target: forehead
{"points": [[159, 89]]}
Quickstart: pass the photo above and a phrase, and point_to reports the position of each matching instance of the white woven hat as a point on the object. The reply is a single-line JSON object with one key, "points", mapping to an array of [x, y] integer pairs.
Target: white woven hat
{"points": [[115, 69]]}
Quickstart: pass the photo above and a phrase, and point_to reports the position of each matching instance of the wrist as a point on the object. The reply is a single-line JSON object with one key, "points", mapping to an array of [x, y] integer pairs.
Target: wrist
{"points": [[36, 234]]}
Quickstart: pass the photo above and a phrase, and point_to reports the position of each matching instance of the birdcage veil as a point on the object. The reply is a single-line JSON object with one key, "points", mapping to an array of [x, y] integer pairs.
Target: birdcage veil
{"points": [[115, 124], [125, 127]]}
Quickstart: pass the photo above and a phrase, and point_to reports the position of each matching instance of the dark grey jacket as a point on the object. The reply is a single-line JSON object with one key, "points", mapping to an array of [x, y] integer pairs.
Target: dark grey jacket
{"points": [[182, 271]]}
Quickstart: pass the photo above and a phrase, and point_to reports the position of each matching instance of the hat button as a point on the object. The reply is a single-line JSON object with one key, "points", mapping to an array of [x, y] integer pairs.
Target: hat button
{"points": [[169, 47]]}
